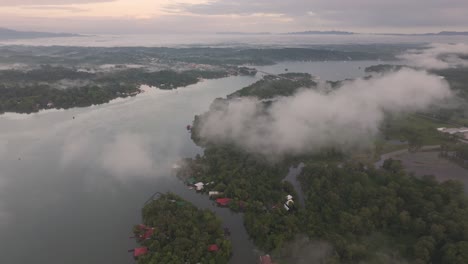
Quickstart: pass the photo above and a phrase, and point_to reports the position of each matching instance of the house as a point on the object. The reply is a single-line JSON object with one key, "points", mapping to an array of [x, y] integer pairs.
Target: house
{"points": [[148, 234], [213, 248], [199, 186], [289, 203], [214, 193], [137, 252], [223, 201], [462, 131], [265, 260], [453, 131]]}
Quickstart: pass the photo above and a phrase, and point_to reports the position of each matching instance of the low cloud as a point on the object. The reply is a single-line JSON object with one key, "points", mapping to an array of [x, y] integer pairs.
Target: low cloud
{"points": [[308, 121], [438, 56]]}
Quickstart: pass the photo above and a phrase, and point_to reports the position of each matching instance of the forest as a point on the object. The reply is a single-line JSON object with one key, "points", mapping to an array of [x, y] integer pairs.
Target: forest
{"points": [[200, 55], [182, 233], [363, 212], [366, 214], [60, 87], [270, 86]]}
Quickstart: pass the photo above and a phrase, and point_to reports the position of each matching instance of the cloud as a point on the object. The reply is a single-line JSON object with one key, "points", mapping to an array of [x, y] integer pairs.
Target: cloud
{"points": [[127, 155], [54, 7], [347, 118], [354, 13], [437, 56], [48, 2]]}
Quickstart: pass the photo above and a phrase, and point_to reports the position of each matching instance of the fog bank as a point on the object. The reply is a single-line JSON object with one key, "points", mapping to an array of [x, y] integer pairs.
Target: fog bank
{"points": [[438, 56], [310, 120]]}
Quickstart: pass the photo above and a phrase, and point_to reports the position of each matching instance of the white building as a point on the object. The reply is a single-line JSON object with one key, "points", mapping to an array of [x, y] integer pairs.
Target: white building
{"points": [[214, 193], [453, 131], [199, 186]]}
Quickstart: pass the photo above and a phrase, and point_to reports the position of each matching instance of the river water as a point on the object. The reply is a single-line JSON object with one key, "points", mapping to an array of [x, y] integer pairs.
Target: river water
{"points": [[72, 182]]}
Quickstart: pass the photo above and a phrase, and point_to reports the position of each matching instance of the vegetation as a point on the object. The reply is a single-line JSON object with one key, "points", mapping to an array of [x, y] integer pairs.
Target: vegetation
{"points": [[281, 85], [33, 98], [381, 68], [424, 220], [255, 186], [61, 87], [200, 55], [182, 233], [64, 77], [363, 212], [416, 130], [367, 215]]}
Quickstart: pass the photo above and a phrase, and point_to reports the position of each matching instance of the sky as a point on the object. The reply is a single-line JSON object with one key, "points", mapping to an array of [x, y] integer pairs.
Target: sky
{"points": [[208, 16]]}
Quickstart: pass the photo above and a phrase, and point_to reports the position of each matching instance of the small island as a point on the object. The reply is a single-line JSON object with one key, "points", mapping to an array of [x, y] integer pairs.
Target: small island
{"points": [[175, 231]]}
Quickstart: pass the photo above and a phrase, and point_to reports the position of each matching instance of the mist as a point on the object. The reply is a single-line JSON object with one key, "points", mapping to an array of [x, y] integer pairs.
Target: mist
{"points": [[309, 121], [438, 56]]}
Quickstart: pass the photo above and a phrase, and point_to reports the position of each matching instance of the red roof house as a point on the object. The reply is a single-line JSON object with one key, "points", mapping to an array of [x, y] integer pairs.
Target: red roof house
{"points": [[140, 252], [265, 259], [223, 201], [213, 248], [148, 233]]}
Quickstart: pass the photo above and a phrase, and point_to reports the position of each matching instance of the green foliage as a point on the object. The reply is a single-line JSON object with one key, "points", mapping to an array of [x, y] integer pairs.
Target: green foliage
{"points": [[183, 233], [422, 217], [256, 187], [347, 204], [416, 129], [383, 68], [30, 91], [273, 86]]}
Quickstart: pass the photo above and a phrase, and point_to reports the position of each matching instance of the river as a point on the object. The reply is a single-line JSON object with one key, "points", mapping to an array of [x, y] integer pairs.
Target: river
{"points": [[72, 182]]}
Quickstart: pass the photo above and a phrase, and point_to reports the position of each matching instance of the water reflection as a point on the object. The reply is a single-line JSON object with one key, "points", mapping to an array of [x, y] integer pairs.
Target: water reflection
{"points": [[71, 189]]}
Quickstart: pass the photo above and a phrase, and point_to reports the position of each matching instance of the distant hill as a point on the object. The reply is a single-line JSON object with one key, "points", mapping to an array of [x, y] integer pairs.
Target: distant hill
{"points": [[13, 34], [442, 33], [321, 33], [448, 33], [243, 33]]}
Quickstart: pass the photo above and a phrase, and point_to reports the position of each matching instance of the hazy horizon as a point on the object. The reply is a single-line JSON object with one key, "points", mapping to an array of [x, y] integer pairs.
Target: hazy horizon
{"points": [[210, 16]]}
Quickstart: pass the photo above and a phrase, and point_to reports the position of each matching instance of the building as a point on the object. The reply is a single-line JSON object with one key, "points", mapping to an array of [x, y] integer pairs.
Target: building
{"points": [[199, 186], [452, 131], [223, 201], [462, 131], [289, 202], [213, 248], [137, 252], [214, 193], [265, 260]]}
